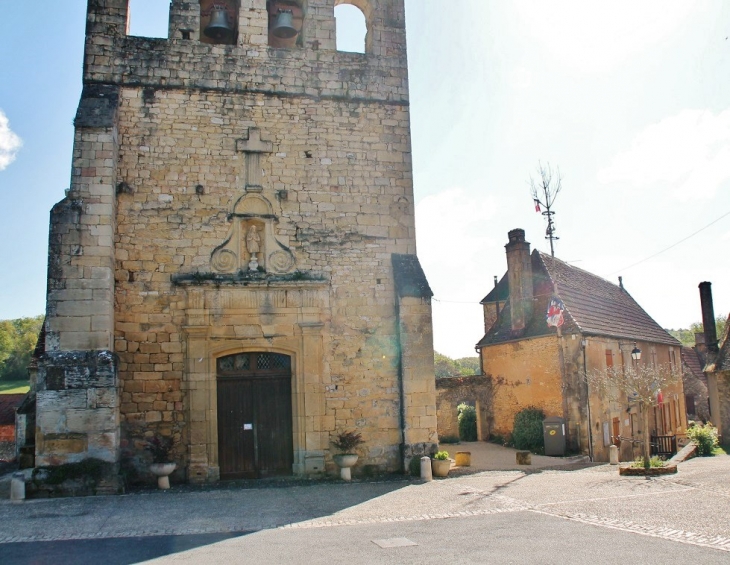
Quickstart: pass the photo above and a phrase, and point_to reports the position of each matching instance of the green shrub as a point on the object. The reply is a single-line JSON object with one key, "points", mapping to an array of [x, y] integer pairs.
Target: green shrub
{"points": [[449, 439], [441, 456], [527, 429], [705, 437], [467, 422], [639, 463]]}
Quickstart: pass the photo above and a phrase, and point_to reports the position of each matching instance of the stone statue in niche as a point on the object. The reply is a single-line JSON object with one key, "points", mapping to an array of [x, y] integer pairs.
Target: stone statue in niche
{"points": [[252, 243], [253, 246]]}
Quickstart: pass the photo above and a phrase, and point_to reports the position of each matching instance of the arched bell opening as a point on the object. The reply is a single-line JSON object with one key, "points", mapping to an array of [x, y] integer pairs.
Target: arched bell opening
{"points": [[219, 21], [255, 420], [353, 19], [351, 28], [286, 23]]}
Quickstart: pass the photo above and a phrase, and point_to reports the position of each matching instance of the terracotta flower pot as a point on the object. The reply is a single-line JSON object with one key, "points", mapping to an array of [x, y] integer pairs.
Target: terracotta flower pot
{"points": [[162, 471]]}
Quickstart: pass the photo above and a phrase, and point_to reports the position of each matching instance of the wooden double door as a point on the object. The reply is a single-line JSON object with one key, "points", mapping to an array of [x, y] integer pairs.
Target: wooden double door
{"points": [[254, 415]]}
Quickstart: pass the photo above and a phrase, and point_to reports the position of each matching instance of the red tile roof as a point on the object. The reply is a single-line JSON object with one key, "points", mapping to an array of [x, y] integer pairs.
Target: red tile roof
{"points": [[594, 306]]}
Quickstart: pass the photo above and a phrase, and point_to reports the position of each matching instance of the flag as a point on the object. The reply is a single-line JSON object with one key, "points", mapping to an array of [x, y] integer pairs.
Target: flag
{"points": [[555, 312], [537, 205]]}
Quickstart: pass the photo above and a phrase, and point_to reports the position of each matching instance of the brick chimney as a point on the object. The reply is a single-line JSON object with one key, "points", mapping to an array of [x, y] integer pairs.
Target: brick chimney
{"points": [[708, 316], [519, 275]]}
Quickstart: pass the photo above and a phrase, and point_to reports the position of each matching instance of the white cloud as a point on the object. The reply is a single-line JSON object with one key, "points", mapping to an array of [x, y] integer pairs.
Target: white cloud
{"points": [[595, 36], [689, 152], [10, 143]]}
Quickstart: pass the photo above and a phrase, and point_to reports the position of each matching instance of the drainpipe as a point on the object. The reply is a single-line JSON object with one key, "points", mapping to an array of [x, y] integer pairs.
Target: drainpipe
{"points": [[584, 343], [401, 390]]}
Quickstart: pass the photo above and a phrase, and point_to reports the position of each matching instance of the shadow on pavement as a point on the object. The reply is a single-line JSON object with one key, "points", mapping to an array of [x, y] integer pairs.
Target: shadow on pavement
{"points": [[111, 551]]}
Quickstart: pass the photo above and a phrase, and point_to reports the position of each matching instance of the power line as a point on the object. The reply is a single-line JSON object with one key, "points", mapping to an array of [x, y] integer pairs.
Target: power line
{"points": [[671, 246]]}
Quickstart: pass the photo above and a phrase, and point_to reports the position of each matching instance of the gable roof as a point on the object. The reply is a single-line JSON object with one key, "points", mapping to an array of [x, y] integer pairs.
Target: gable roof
{"points": [[499, 293], [693, 362], [593, 306]]}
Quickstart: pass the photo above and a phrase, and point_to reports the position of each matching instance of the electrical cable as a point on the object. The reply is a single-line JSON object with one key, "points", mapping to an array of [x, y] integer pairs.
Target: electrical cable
{"points": [[671, 246]]}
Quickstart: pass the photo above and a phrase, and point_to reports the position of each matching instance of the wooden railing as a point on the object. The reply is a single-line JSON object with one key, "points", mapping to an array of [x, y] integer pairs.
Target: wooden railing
{"points": [[664, 445]]}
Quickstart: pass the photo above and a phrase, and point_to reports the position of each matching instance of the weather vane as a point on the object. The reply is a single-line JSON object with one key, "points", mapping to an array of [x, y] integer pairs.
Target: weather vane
{"points": [[544, 194]]}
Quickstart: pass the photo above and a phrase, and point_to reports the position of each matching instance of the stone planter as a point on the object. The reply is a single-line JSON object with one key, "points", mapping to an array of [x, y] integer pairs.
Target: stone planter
{"points": [[463, 458], [344, 461], [629, 471], [440, 467], [162, 471]]}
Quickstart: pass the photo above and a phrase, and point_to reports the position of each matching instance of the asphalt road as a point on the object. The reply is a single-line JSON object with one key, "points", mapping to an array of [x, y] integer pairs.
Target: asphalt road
{"points": [[589, 515]]}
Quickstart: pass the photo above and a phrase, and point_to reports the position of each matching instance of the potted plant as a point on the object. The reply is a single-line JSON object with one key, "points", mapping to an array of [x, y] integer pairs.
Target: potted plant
{"points": [[440, 464], [346, 442], [162, 466]]}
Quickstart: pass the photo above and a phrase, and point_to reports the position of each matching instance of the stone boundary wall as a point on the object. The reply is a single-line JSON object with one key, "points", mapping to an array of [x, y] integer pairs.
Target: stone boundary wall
{"points": [[452, 391]]}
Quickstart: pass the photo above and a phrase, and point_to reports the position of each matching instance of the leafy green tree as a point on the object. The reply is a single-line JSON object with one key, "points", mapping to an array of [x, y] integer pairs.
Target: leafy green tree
{"points": [[469, 365], [18, 339], [444, 366], [447, 367], [687, 336]]}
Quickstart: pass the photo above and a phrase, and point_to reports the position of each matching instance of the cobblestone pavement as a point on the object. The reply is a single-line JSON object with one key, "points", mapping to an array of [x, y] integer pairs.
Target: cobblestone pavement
{"points": [[689, 508]]}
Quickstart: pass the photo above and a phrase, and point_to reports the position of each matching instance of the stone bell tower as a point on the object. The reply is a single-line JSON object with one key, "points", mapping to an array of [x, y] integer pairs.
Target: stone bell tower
{"points": [[234, 265]]}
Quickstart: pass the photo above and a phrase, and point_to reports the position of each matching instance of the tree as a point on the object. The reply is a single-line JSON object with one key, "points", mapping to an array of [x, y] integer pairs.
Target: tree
{"points": [[447, 367], [469, 365], [687, 336], [544, 192], [18, 339], [641, 383]]}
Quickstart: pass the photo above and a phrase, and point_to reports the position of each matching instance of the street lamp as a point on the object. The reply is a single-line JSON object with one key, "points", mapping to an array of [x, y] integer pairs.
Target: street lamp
{"points": [[635, 353]]}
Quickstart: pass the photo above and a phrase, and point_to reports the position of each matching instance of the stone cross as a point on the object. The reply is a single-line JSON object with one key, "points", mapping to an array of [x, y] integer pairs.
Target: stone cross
{"points": [[253, 146]]}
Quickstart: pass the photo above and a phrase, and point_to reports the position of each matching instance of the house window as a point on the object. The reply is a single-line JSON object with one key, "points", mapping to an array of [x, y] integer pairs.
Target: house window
{"points": [[689, 402], [352, 28], [609, 358], [149, 18], [672, 360]]}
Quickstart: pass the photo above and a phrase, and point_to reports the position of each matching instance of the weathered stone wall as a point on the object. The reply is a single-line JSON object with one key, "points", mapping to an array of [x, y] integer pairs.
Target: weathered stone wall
{"points": [[524, 373], [450, 392], [719, 389], [184, 148]]}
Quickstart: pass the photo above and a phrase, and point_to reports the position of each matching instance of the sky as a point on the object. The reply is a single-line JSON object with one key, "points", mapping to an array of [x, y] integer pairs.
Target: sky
{"points": [[629, 100]]}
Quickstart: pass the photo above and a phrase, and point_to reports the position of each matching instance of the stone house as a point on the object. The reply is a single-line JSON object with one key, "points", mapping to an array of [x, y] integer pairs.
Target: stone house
{"points": [[598, 325], [234, 264], [717, 368]]}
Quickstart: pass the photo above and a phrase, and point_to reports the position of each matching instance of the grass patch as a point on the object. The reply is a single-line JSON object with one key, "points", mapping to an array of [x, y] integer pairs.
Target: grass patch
{"points": [[14, 387]]}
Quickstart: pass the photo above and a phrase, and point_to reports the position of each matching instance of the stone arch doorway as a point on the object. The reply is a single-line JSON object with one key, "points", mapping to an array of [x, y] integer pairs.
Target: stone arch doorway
{"points": [[254, 399]]}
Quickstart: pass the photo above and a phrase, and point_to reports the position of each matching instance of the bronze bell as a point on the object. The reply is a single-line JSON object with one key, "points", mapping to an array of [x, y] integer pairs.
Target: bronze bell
{"points": [[284, 25], [219, 28]]}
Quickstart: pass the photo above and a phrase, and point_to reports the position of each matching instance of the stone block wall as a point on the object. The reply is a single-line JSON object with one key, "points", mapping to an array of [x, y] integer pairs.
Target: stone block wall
{"points": [[183, 150], [475, 390]]}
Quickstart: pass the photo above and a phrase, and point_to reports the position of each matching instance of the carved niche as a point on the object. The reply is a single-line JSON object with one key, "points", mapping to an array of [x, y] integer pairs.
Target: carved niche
{"points": [[252, 243]]}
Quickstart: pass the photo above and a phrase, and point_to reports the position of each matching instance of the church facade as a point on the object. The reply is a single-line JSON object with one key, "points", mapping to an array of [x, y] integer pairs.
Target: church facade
{"points": [[234, 265]]}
